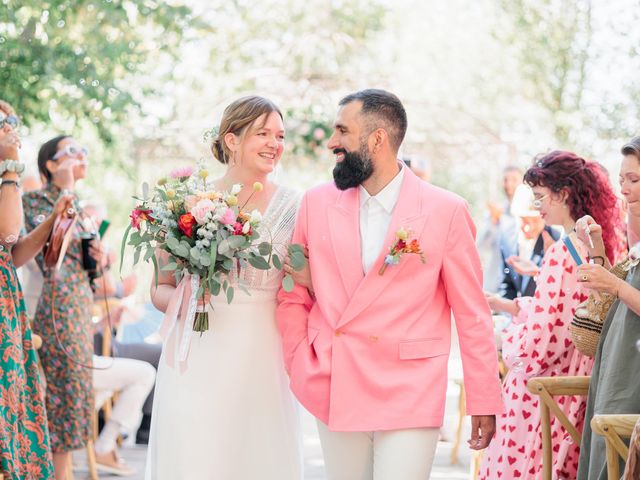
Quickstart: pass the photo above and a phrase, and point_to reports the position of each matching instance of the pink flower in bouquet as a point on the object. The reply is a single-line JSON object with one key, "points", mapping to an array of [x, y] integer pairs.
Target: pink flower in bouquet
{"points": [[237, 228], [190, 202], [184, 172], [200, 210], [139, 215], [228, 218]]}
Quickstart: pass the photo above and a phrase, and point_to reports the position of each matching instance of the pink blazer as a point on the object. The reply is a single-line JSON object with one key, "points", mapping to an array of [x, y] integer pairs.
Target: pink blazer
{"points": [[370, 352]]}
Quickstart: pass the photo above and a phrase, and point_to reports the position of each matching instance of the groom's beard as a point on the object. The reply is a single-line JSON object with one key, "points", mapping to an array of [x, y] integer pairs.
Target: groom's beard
{"points": [[355, 168]]}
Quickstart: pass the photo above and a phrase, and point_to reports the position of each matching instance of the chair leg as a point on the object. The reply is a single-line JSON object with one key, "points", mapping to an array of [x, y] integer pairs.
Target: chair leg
{"points": [[547, 459], [70, 467], [461, 416], [91, 461], [476, 462], [613, 461]]}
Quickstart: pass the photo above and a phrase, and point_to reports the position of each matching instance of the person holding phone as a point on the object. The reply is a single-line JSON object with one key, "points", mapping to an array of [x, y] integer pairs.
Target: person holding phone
{"points": [[537, 343], [63, 317]]}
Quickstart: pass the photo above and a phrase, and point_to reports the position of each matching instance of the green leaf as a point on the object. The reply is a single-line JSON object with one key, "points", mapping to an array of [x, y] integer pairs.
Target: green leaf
{"points": [[259, 262], [145, 190], [156, 273], [224, 247], [265, 248], [276, 261], [225, 285], [172, 242], [136, 255], [298, 260], [295, 247], [169, 267], [214, 286], [230, 293], [236, 241], [287, 283], [124, 244], [149, 253], [228, 264]]}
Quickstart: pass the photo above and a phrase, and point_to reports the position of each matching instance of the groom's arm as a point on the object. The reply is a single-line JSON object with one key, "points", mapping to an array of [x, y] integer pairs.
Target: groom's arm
{"points": [[462, 277], [293, 307]]}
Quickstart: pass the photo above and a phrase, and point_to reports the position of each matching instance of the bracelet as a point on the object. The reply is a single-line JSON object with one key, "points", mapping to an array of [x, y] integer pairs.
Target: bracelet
{"points": [[14, 166], [598, 257], [9, 182]]}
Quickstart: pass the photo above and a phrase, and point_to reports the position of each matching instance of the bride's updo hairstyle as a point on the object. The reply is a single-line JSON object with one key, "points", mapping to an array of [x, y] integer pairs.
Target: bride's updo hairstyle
{"points": [[237, 118]]}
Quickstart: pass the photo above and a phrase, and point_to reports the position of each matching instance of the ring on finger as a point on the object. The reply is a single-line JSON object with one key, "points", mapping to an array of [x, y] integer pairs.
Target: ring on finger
{"points": [[585, 278]]}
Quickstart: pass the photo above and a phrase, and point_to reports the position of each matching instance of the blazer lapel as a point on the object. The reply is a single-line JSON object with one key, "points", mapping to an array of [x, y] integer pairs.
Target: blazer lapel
{"points": [[408, 214], [344, 228]]}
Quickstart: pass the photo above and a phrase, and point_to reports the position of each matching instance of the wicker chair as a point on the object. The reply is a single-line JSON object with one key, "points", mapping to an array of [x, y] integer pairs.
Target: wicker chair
{"points": [[546, 388]]}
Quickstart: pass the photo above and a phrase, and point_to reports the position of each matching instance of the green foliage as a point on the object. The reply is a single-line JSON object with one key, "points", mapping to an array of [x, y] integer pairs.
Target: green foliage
{"points": [[71, 61]]}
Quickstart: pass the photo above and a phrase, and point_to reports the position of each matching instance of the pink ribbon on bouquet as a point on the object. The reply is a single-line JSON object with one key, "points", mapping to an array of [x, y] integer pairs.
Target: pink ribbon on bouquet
{"points": [[182, 301]]}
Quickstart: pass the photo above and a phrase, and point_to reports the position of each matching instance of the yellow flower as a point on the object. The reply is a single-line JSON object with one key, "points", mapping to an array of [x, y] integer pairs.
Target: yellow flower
{"points": [[162, 181], [257, 187], [402, 234], [203, 173], [171, 193], [232, 200]]}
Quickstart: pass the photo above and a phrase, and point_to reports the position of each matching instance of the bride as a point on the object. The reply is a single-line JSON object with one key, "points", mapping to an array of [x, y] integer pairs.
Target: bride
{"points": [[228, 414]]}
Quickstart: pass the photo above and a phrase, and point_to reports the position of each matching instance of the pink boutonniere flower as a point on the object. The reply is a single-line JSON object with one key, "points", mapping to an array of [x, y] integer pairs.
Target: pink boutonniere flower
{"points": [[402, 245]]}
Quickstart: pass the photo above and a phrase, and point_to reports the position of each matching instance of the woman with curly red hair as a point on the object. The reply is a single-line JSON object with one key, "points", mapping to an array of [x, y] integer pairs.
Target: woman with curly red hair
{"points": [[537, 343]]}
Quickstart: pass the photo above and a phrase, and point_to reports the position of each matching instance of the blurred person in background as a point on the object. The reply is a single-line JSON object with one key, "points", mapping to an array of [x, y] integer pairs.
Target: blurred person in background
{"points": [[500, 228], [63, 316], [24, 437]]}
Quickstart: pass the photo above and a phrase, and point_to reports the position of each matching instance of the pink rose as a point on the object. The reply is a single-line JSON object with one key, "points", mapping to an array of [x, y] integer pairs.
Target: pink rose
{"points": [[228, 218], [200, 210]]}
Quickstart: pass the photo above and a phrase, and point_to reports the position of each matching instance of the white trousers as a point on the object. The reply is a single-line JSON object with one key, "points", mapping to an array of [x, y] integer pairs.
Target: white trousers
{"points": [[384, 455], [132, 379]]}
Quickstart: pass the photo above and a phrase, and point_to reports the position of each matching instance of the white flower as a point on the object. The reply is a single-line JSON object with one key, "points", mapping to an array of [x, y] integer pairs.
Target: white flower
{"points": [[256, 216], [235, 190], [206, 243], [246, 227]]}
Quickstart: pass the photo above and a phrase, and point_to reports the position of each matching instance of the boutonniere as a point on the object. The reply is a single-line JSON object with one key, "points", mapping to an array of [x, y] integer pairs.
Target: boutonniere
{"points": [[401, 246], [634, 257]]}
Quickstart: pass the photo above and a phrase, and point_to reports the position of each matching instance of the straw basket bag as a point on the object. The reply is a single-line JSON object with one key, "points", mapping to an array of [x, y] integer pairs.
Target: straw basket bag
{"points": [[586, 325]]}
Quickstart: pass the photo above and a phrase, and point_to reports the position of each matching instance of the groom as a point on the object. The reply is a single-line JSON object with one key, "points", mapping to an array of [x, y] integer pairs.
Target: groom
{"points": [[367, 348]]}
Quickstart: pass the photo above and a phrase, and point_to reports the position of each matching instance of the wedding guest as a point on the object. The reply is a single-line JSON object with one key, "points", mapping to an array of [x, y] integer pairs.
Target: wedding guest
{"points": [[500, 227], [63, 317], [537, 343], [615, 380], [24, 437], [632, 470]]}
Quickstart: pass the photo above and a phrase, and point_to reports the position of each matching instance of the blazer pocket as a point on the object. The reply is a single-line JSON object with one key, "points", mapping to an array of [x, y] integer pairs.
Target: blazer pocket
{"points": [[422, 348], [312, 333]]}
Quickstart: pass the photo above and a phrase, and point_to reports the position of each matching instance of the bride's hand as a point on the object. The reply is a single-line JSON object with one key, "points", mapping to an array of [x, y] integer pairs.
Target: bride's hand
{"points": [[300, 277]]}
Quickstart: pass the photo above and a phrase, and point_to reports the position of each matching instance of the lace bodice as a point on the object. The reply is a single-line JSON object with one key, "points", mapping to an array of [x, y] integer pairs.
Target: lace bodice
{"points": [[276, 228]]}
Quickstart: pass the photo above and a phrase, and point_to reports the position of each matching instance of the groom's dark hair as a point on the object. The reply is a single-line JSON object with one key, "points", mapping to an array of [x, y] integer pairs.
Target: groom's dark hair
{"points": [[381, 109]]}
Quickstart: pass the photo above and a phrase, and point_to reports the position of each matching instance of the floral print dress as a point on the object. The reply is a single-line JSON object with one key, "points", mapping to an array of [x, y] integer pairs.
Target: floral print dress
{"points": [[538, 344], [63, 320], [24, 437]]}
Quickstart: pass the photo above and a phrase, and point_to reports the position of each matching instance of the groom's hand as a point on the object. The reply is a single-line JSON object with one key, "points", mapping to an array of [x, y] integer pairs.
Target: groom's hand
{"points": [[483, 427]]}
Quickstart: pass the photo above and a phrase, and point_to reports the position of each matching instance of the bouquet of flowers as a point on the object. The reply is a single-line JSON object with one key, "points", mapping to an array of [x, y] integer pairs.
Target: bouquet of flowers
{"points": [[206, 235]]}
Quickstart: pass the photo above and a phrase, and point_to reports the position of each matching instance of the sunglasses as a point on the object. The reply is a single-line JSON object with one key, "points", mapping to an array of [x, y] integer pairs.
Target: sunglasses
{"points": [[11, 120], [71, 151]]}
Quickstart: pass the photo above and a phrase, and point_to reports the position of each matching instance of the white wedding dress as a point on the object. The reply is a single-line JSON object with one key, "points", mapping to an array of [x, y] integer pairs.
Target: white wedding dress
{"points": [[229, 415]]}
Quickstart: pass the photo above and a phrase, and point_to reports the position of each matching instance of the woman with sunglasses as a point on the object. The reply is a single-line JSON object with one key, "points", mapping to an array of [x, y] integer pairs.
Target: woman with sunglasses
{"points": [[537, 343], [63, 315], [24, 436]]}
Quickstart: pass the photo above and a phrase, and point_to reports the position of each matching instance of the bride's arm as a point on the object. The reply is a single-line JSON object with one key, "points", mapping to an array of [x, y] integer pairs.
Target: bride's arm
{"points": [[166, 283]]}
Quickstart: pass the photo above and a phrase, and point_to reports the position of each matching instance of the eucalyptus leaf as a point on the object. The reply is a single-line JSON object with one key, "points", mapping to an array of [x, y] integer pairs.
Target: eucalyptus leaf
{"points": [[228, 264], [287, 283], [265, 248], [145, 190], [136, 255], [236, 241], [259, 262], [298, 260], [169, 267], [124, 245], [230, 293], [276, 261], [223, 247]]}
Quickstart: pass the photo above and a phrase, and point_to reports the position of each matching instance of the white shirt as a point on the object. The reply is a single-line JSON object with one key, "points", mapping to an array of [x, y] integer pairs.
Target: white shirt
{"points": [[375, 217]]}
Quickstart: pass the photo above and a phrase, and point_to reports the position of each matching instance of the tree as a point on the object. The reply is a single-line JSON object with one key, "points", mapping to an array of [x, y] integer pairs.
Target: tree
{"points": [[66, 62]]}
